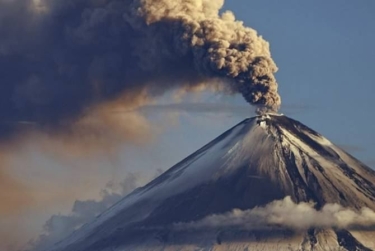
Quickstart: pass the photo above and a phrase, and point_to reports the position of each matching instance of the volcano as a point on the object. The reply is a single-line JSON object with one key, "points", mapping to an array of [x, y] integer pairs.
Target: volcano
{"points": [[261, 160]]}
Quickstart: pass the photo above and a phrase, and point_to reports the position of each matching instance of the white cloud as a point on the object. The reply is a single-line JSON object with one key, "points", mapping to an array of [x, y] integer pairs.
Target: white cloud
{"points": [[60, 226], [286, 213]]}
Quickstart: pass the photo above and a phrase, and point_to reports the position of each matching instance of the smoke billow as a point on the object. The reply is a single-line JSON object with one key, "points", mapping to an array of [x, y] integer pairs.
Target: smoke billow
{"points": [[65, 65], [286, 213], [60, 226], [59, 59]]}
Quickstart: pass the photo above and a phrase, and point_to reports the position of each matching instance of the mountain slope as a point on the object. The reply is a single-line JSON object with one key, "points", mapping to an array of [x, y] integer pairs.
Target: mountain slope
{"points": [[260, 160]]}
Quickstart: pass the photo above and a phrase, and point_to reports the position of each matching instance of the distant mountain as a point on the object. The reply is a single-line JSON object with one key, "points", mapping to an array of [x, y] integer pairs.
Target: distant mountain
{"points": [[259, 161]]}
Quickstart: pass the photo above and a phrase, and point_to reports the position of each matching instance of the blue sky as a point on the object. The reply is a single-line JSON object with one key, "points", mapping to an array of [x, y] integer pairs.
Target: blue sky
{"points": [[324, 51], [325, 54]]}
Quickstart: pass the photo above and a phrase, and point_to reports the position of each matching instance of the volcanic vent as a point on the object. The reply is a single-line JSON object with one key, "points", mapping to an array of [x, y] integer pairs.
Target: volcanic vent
{"points": [[261, 160]]}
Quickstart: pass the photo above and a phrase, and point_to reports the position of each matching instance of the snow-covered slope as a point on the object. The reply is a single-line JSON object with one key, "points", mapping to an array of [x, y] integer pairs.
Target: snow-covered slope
{"points": [[262, 159]]}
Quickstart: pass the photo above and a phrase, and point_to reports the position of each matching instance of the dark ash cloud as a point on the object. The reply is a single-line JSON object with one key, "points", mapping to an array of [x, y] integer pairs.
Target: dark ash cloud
{"points": [[59, 59], [64, 64]]}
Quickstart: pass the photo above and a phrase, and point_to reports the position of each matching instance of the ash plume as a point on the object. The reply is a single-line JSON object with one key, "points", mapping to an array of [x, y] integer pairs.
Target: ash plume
{"points": [[66, 64], [59, 59]]}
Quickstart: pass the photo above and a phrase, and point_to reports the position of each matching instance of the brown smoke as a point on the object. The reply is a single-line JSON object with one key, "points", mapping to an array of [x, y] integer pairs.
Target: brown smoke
{"points": [[59, 58], [215, 46], [67, 66], [14, 196]]}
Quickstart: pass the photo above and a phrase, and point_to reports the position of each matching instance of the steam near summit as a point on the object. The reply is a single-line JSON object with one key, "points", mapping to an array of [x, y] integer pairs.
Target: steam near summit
{"points": [[65, 57]]}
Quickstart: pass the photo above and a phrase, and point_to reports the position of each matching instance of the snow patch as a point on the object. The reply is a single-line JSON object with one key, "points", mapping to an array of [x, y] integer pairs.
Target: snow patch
{"points": [[320, 139], [267, 147]]}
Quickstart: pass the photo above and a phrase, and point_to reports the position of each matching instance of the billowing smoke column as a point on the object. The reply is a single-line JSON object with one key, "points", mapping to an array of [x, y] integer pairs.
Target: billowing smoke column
{"points": [[59, 58], [215, 46]]}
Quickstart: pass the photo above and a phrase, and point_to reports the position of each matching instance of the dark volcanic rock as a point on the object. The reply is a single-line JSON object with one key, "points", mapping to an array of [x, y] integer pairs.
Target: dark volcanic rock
{"points": [[258, 161]]}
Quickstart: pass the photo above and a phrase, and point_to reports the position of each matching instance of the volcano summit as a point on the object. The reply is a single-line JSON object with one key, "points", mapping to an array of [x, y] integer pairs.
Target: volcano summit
{"points": [[269, 183]]}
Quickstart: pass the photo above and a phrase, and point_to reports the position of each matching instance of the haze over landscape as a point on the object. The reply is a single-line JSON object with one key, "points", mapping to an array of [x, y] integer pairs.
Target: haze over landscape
{"points": [[68, 137]]}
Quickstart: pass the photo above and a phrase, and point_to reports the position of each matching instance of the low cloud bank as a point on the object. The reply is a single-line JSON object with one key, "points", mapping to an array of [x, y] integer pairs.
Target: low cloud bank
{"points": [[286, 213], [60, 226]]}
